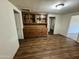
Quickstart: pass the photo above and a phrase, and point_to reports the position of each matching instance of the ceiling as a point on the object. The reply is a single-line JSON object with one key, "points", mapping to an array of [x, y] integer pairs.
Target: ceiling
{"points": [[47, 6]]}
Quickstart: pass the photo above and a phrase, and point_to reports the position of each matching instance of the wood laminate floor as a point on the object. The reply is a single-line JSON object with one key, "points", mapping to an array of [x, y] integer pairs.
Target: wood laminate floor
{"points": [[51, 47]]}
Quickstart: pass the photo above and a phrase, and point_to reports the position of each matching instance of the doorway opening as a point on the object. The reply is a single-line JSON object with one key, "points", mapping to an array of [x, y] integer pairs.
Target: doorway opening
{"points": [[17, 22], [52, 25]]}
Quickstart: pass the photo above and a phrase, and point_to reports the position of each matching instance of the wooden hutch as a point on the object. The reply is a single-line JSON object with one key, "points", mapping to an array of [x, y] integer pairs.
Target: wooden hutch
{"points": [[35, 24]]}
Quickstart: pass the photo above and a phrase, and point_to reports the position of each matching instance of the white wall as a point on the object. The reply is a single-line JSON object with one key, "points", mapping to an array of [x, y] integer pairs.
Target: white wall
{"points": [[64, 24], [73, 30], [18, 20], [74, 24], [8, 33], [61, 24], [69, 17]]}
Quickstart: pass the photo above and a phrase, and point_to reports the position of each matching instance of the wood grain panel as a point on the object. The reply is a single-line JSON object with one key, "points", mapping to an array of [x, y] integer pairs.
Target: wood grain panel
{"points": [[35, 31]]}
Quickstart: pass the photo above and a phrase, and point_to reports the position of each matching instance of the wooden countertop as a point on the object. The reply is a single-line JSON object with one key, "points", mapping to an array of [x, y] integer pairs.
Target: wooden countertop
{"points": [[35, 24]]}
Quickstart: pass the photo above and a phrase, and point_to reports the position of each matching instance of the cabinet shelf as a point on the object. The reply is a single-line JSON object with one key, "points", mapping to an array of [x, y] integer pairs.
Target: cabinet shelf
{"points": [[34, 19]]}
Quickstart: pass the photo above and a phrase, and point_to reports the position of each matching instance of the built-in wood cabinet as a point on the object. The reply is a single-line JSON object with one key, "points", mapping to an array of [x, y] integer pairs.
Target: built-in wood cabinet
{"points": [[35, 24], [35, 31]]}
